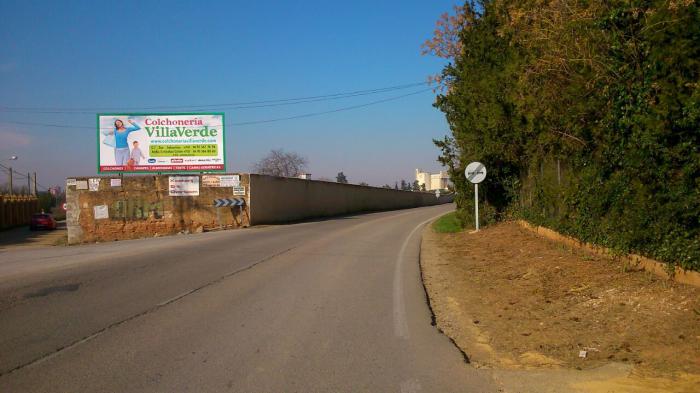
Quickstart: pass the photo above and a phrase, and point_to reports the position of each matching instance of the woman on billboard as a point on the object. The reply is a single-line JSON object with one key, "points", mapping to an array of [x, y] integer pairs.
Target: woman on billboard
{"points": [[121, 145]]}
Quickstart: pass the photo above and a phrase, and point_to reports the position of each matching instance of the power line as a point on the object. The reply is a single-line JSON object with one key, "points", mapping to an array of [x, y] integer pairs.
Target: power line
{"points": [[21, 175], [234, 105], [305, 115], [347, 108]]}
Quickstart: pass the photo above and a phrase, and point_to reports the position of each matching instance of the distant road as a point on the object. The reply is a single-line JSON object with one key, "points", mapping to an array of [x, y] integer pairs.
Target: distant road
{"points": [[330, 305]]}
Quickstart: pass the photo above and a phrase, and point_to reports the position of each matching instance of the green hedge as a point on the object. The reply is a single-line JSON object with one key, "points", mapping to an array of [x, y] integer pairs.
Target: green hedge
{"points": [[587, 118]]}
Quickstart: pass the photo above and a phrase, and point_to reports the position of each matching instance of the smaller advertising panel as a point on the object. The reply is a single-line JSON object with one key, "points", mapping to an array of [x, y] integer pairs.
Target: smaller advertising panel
{"points": [[94, 184], [101, 212], [211, 181], [230, 181], [183, 186], [239, 190]]}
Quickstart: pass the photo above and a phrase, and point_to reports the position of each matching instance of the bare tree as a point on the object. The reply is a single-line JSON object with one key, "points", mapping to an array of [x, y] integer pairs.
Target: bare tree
{"points": [[341, 178], [280, 163]]}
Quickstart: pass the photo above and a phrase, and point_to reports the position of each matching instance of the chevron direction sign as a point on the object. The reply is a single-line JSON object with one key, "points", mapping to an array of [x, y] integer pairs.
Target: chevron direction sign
{"points": [[226, 202]]}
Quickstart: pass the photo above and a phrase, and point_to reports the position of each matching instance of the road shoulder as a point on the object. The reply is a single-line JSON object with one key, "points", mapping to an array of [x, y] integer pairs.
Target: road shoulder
{"points": [[526, 307]]}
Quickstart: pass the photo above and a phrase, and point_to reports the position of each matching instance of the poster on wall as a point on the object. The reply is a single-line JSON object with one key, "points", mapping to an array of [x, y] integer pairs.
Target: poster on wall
{"points": [[221, 180], [161, 142], [211, 181], [230, 181], [183, 186], [101, 212], [94, 184], [239, 190]]}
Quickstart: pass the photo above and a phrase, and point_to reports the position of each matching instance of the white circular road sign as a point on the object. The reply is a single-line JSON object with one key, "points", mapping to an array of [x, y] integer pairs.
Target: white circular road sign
{"points": [[475, 172]]}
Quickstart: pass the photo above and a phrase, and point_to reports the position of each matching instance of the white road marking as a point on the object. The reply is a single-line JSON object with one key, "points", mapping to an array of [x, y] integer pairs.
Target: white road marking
{"points": [[400, 322]]}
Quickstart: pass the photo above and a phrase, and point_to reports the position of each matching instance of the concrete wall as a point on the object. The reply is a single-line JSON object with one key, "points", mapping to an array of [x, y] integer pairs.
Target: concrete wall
{"points": [[278, 199], [142, 207]]}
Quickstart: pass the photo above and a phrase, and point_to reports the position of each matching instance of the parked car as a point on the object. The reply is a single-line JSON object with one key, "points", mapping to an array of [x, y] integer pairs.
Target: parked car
{"points": [[42, 221]]}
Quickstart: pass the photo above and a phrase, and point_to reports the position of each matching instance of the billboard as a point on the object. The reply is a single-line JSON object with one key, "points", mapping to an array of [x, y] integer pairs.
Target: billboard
{"points": [[160, 142]]}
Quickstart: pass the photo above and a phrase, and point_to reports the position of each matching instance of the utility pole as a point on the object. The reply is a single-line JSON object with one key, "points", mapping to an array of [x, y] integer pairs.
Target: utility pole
{"points": [[35, 191], [29, 184], [10, 170]]}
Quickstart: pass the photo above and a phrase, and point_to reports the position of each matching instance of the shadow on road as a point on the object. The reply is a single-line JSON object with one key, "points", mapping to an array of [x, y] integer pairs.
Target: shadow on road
{"points": [[23, 237]]}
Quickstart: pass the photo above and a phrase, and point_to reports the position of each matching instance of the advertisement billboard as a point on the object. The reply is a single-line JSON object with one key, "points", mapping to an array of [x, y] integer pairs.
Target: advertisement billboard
{"points": [[160, 142]]}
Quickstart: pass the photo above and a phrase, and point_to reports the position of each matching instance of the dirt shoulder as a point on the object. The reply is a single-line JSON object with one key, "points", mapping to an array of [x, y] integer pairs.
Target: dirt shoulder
{"points": [[23, 238], [516, 302]]}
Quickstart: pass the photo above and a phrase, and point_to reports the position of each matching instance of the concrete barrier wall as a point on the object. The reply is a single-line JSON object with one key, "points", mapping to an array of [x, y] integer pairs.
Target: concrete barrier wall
{"points": [[140, 206], [278, 199]]}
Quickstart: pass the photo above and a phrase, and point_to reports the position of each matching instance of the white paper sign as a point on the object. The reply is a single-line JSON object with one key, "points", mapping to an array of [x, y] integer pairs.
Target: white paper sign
{"points": [[230, 181], [115, 182], [211, 181], [81, 185], [239, 190], [94, 184], [101, 212], [183, 185], [70, 182]]}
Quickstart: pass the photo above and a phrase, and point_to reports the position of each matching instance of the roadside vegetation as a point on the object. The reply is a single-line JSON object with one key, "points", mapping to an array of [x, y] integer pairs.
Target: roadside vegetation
{"points": [[449, 223], [586, 114]]}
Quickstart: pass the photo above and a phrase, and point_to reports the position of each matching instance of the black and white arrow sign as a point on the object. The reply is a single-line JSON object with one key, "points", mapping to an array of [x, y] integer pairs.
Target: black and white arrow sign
{"points": [[226, 202]]}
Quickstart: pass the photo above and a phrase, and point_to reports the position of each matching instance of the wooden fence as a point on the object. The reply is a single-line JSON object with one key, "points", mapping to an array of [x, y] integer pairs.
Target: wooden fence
{"points": [[17, 210]]}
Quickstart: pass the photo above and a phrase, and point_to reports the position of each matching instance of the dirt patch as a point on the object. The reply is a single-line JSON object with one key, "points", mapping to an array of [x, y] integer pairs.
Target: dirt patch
{"points": [[514, 301]]}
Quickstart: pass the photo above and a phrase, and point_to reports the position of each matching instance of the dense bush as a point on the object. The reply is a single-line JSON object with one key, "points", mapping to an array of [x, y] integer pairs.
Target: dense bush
{"points": [[587, 116]]}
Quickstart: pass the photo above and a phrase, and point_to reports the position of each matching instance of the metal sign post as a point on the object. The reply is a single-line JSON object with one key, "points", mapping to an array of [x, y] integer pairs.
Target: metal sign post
{"points": [[476, 205], [476, 173]]}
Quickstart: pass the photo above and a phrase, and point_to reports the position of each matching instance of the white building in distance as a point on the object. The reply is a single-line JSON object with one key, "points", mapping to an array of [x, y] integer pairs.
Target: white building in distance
{"points": [[433, 181]]}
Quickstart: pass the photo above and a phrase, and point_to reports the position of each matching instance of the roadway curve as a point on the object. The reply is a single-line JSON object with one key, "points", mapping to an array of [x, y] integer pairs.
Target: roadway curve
{"points": [[329, 305]]}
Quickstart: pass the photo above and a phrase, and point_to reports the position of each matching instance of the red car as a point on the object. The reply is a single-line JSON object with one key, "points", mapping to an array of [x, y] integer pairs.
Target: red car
{"points": [[42, 220]]}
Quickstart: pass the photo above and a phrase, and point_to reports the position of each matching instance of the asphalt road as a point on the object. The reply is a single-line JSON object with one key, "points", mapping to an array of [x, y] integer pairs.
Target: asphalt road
{"points": [[332, 305], [22, 237]]}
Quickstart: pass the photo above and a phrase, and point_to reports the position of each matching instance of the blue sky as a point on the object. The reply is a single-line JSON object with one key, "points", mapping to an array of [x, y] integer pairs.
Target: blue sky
{"points": [[86, 54]]}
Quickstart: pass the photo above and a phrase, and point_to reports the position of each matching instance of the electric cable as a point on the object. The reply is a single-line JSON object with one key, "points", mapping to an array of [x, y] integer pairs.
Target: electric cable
{"points": [[305, 115], [235, 105]]}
